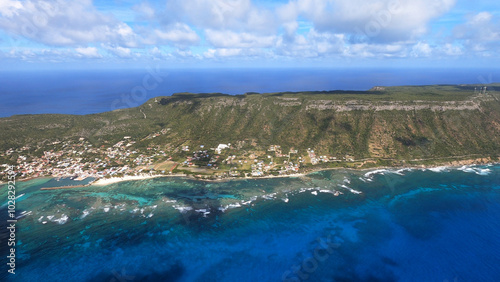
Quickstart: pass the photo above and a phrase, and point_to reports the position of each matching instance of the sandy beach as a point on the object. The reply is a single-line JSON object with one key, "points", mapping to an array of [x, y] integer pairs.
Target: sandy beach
{"points": [[107, 181], [450, 164], [274, 176]]}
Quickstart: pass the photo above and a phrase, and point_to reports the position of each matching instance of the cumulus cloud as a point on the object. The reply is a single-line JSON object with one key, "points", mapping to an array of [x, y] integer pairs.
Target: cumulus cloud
{"points": [[421, 49], [480, 33], [449, 49], [241, 15], [62, 23], [119, 51], [377, 20], [53, 54], [89, 52], [236, 29], [231, 39], [312, 44], [366, 50], [156, 54], [177, 33], [145, 10], [9, 8], [227, 53], [480, 27], [22, 54], [223, 52]]}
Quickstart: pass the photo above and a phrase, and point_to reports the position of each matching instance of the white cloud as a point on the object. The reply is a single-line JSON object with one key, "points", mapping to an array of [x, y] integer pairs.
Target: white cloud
{"points": [[449, 49], [479, 27], [376, 20], [236, 15], [365, 50], [9, 8], [145, 10], [231, 39], [313, 44], [122, 52], [177, 33], [229, 52], [210, 53], [421, 49], [119, 51], [225, 29], [89, 52], [23, 54], [53, 54], [226, 53], [156, 53], [479, 34], [66, 23]]}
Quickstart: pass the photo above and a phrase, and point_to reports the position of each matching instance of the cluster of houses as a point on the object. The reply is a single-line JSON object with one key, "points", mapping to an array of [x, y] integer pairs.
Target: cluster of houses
{"points": [[82, 160], [325, 159], [312, 156], [202, 155]]}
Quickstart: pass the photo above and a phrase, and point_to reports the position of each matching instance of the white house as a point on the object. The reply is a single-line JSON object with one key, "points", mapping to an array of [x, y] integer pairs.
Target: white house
{"points": [[221, 147]]}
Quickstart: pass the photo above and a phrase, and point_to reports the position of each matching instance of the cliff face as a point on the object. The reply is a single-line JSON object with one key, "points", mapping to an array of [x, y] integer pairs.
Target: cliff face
{"points": [[385, 129], [419, 123], [473, 104]]}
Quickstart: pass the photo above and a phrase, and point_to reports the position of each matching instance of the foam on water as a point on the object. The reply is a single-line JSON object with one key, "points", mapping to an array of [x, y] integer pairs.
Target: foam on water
{"points": [[84, 214], [350, 189], [427, 226], [373, 172], [64, 218], [439, 169], [182, 209], [474, 169]]}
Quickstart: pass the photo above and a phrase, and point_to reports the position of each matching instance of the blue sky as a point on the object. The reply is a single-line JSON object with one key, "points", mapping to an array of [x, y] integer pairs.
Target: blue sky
{"points": [[246, 33]]}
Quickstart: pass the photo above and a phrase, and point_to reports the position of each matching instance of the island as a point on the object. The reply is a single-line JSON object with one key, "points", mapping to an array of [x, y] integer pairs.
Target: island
{"points": [[215, 136]]}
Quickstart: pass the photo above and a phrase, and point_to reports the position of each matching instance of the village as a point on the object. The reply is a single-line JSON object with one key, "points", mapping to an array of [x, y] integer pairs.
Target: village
{"points": [[79, 160]]}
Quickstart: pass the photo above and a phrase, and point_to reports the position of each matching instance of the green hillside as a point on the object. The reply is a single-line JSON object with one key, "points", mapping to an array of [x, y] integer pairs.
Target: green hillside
{"points": [[400, 123]]}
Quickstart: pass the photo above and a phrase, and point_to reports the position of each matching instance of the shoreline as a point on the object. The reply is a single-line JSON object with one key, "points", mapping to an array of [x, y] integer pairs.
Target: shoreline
{"points": [[103, 182], [107, 181]]}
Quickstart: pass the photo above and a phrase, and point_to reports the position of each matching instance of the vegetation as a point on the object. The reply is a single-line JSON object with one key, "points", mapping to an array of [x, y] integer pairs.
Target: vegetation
{"points": [[401, 123]]}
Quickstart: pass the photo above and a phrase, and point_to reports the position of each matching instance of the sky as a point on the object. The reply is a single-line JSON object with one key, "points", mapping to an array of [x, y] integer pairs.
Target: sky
{"points": [[249, 33]]}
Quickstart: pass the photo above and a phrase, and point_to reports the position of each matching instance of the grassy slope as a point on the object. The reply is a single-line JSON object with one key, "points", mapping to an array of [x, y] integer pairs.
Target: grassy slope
{"points": [[212, 119]]}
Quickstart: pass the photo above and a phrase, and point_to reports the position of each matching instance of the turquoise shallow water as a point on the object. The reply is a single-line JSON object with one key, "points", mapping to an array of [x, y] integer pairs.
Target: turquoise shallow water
{"points": [[384, 225]]}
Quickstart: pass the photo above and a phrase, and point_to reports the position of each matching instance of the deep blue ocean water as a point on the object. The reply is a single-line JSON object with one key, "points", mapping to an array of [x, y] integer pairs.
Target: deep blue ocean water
{"points": [[339, 225], [84, 92]]}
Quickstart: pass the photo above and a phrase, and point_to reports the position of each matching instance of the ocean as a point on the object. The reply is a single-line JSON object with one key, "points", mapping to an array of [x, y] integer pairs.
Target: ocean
{"points": [[439, 224], [94, 91]]}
